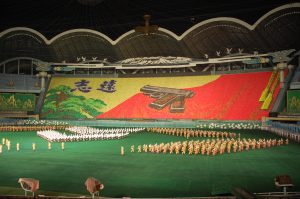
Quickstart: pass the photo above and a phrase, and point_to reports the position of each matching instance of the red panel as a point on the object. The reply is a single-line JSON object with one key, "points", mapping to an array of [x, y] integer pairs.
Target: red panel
{"points": [[230, 97]]}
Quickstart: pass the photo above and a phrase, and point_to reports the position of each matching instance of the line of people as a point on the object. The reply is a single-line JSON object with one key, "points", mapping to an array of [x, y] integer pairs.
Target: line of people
{"points": [[7, 143], [191, 132], [209, 146]]}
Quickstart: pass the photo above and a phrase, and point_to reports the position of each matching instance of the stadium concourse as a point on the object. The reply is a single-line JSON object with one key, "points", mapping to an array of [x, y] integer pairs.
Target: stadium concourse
{"points": [[180, 100]]}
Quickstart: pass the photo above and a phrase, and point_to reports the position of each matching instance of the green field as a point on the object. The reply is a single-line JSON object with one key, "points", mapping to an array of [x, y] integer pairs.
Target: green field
{"points": [[144, 174]]}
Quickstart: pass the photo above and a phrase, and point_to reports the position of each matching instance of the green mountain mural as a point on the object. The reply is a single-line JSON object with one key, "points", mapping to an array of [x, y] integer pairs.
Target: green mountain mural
{"points": [[61, 103]]}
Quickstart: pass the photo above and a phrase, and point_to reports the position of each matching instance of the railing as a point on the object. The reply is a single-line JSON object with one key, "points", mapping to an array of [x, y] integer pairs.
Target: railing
{"points": [[289, 131], [293, 128]]}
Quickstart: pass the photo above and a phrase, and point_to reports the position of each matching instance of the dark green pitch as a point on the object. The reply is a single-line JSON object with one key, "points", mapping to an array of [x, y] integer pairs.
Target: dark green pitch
{"points": [[144, 174]]}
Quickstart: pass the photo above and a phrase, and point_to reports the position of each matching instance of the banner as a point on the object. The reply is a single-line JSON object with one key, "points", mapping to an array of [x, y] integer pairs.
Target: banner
{"points": [[17, 102], [226, 97], [293, 101]]}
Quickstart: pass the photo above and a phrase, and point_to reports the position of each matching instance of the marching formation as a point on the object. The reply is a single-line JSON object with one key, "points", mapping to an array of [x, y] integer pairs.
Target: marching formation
{"points": [[192, 133], [216, 142], [209, 146], [83, 133]]}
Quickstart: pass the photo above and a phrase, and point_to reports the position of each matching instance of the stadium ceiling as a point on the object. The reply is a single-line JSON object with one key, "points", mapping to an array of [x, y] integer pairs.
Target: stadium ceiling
{"points": [[66, 30], [116, 17]]}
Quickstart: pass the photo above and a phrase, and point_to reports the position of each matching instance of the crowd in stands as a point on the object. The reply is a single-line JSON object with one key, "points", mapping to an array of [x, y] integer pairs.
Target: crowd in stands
{"points": [[30, 128], [156, 60], [82, 133], [22, 122], [291, 131], [209, 146], [10, 122], [293, 128], [237, 67], [44, 122], [90, 130], [222, 68], [17, 125], [205, 125], [230, 125]]}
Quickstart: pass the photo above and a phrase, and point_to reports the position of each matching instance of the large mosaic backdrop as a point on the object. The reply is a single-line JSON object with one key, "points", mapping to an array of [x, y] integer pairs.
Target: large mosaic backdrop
{"points": [[225, 97]]}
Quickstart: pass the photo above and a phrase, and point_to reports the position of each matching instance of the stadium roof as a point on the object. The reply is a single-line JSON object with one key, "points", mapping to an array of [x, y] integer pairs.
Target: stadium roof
{"points": [[63, 30], [116, 17]]}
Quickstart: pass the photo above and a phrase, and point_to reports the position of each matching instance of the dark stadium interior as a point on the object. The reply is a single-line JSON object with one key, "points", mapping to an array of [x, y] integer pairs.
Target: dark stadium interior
{"points": [[150, 99], [115, 17]]}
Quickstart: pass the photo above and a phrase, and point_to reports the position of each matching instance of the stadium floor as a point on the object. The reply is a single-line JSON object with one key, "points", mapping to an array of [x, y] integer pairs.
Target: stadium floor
{"points": [[144, 174]]}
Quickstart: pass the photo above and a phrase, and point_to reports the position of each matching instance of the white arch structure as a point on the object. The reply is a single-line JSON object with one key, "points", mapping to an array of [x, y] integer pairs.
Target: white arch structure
{"points": [[20, 58], [114, 42]]}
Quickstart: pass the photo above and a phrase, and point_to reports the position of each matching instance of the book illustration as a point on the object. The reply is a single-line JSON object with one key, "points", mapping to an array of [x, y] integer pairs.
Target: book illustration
{"points": [[173, 97]]}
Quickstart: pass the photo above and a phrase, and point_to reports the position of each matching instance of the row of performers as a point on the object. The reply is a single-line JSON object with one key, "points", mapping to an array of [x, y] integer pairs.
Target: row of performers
{"points": [[192, 132], [209, 147], [7, 143], [31, 128]]}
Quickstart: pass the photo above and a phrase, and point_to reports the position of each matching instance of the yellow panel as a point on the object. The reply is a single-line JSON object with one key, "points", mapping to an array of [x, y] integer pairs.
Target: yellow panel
{"points": [[128, 87]]}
